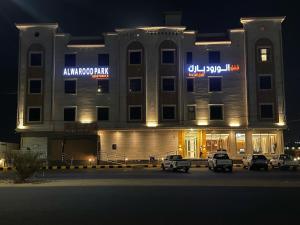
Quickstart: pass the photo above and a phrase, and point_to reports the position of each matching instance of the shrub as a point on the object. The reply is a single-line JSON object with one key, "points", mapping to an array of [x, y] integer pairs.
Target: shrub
{"points": [[26, 164]]}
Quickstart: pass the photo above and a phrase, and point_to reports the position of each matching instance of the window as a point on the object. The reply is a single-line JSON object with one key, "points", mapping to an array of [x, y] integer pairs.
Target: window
{"points": [[264, 54], [266, 111], [265, 82], [70, 60], [135, 113], [103, 59], [168, 112], [35, 86], [135, 84], [189, 58], [240, 143], [215, 84], [214, 57], [102, 113], [69, 114], [36, 59], [103, 86], [190, 85], [135, 57], [168, 84], [191, 112], [168, 56], [70, 86], [34, 114], [216, 112]]}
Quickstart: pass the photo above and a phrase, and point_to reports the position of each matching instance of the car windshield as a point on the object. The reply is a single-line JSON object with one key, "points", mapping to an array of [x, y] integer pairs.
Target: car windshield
{"points": [[259, 157], [221, 156], [175, 157]]}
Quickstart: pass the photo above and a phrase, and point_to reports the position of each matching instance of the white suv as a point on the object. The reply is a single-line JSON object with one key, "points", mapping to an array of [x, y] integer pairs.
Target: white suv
{"points": [[220, 160]]}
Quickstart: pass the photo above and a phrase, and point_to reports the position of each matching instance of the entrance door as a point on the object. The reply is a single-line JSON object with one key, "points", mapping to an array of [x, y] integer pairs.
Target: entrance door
{"points": [[191, 146]]}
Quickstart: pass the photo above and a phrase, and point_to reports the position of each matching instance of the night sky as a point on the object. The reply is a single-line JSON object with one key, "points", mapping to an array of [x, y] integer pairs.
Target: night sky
{"points": [[92, 17]]}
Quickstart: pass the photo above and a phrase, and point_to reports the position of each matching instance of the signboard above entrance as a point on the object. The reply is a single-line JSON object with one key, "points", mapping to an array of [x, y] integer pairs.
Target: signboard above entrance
{"points": [[94, 72]]}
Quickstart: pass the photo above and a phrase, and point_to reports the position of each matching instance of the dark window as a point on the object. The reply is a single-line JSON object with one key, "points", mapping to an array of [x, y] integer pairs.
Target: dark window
{"points": [[189, 58], [34, 114], [168, 112], [264, 54], [265, 82], [35, 86], [103, 86], [70, 60], [168, 84], [215, 84], [35, 59], [168, 56], [214, 57], [103, 59], [216, 112], [191, 112], [103, 113], [69, 114], [190, 85], [266, 111], [70, 86], [135, 85], [135, 57], [135, 113]]}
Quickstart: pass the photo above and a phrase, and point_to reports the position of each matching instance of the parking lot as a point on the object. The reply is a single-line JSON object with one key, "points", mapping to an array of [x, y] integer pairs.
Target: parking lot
{"points": [[152, 196]]}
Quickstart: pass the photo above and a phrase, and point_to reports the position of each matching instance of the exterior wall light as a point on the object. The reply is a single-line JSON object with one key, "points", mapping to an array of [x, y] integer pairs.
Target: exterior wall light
{"points": [[152, 124]]}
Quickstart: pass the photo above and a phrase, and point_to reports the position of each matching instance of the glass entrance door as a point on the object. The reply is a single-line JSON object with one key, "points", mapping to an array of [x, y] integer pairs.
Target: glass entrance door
{"points": [[191, 146]]}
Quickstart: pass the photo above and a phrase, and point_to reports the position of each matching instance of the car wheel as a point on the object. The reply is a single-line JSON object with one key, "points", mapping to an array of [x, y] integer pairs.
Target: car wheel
{"points": [[295, 168], [163, 167], [186, 170], [266, 168], [230, 170], [215, 169]]}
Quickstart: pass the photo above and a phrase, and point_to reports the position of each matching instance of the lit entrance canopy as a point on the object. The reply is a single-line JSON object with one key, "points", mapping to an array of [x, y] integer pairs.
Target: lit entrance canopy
{"points": [[200, 71]]}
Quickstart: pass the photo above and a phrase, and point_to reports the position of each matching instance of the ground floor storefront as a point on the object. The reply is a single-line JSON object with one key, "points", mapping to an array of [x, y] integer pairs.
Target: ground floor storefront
{"points": [[134, 145]]}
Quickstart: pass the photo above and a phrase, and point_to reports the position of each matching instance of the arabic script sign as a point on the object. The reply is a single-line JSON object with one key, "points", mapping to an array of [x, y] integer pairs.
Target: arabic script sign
{"points": [[94, 72], [200, 71]]}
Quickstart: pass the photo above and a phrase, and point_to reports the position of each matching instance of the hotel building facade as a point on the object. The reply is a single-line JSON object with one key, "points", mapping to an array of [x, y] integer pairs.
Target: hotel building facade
{"points": [[151, 91]]}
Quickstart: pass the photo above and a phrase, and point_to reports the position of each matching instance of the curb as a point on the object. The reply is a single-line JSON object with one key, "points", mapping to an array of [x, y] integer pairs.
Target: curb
{"points": [[133, 166]]}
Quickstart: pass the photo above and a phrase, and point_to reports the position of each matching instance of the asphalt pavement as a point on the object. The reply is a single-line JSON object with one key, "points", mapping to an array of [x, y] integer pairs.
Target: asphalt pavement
{"points": [[152, 196]]}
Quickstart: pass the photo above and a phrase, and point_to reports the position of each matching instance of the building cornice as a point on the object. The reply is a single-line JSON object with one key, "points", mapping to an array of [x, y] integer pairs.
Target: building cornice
{"points": [[22, 26], [245, 20]]}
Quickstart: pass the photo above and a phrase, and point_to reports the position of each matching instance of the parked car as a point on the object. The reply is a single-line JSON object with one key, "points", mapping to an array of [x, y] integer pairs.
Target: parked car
{"points": [[175, 162], [220, 160], [255, 161], [284, 161]]}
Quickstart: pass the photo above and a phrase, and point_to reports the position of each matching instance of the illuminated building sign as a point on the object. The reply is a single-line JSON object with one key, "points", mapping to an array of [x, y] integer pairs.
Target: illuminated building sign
{"points": [[94, 72], [200, 71]]}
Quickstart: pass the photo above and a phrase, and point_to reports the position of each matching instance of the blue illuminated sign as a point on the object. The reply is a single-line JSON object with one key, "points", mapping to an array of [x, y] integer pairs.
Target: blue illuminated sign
{"points": [[200, 71]]}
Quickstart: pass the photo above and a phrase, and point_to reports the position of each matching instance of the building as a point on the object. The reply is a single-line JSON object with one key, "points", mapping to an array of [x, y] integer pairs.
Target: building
{"points": [[149, 91]]}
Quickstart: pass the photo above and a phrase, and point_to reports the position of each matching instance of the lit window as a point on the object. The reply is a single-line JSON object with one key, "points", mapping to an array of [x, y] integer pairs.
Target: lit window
{"points": [[214, 57], [216, 112], [135, 57], [34, 114], [102, 113], [264, 54], [266, 111], [190, 85], [168, 56], [103, 86], [189, 58], [36, 59], [168, 112], [35, 86], [103, 59], [215, 84], [265, 82], [70, 60], [135, 113], [168, 84], [191, 112], [70, 86], [69, 114], [135, 84]]}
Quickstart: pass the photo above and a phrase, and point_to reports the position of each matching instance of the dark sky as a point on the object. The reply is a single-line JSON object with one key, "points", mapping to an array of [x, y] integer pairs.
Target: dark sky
{"points": [[92, 17]]}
